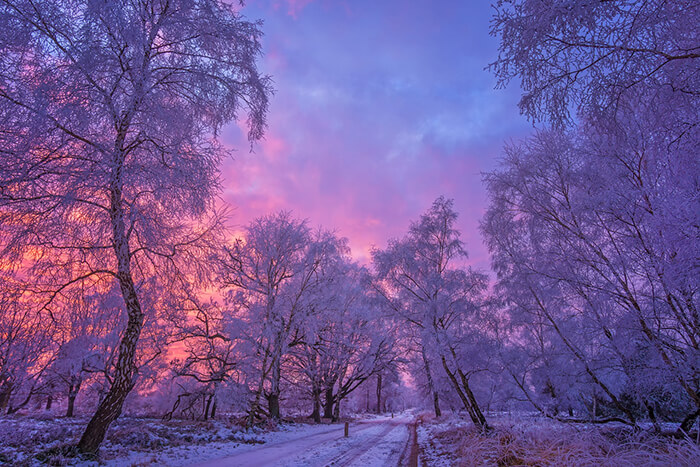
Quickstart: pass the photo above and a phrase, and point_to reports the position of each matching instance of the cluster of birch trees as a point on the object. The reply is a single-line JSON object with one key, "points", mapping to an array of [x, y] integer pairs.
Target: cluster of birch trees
{"points": [[594, 221]]}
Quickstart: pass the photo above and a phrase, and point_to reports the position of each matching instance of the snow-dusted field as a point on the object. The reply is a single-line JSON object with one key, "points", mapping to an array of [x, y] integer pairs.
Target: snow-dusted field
{"points": [[373, 441], [377, 441], [531, 440]]}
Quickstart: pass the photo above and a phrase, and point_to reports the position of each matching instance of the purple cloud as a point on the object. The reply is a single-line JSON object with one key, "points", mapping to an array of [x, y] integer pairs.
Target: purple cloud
{"points": [[380, 108]]}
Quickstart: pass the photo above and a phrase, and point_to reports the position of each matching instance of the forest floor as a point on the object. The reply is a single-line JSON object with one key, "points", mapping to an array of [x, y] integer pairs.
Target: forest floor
{"points": [[404, 439]]}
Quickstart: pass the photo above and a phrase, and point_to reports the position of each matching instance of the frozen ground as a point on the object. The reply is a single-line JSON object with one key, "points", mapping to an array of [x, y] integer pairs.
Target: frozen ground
{"points": [[405, 440], [533, 440], [378, 441]]}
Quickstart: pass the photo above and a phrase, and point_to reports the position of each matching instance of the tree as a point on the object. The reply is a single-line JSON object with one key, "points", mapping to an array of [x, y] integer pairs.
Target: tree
{"points": [[211, 356], [24, 339], [110, 111], [421, 279], [593, 226], [581, 242], [271, 275], [591, 56]]}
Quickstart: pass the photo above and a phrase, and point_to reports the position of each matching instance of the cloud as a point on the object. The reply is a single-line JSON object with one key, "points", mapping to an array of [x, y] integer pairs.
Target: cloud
{"points": [[293, 7], [377, 112]]}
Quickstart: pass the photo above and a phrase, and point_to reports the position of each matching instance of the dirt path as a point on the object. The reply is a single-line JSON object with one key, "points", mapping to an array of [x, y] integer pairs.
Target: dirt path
{"points": [[409, 457], [380, 442]]}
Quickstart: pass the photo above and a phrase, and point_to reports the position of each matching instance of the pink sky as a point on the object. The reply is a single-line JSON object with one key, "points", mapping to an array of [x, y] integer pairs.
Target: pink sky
{"points": [[380, 107]]}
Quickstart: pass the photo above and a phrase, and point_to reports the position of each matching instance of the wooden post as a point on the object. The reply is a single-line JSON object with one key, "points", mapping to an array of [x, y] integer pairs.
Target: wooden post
{"points": [[346, 429]]}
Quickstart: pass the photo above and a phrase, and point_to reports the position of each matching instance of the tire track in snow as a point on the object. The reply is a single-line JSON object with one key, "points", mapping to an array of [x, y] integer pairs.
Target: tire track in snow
{"points": [[289, 451], [348, 457]]}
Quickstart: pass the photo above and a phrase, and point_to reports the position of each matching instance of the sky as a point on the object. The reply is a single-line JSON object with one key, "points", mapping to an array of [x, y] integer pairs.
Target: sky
{"points": [[379, 108]]}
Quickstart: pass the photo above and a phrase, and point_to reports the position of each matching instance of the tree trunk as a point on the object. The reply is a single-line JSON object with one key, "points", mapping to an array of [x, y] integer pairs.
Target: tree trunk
{"points": [[273, 398], [473, 402], [49, 402], [336, 410], [256, 403], [273, 405], [594, 414], [213, 409], [5, 394], [71, 405], [436, 403], [208, 407], [466, 396], [431, 384], [328, 403], [316, 414], [73, 390], [125, 368], [367, 400], [379, 393]]}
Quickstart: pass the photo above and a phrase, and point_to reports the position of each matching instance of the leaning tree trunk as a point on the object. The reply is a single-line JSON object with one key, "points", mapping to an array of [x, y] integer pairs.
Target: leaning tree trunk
{"points": [[125, 368], [478, 414], [431, 384], [466, 396]]}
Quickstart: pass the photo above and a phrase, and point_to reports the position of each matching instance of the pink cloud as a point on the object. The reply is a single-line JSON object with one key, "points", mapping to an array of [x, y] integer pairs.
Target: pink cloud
{"points": [[294, 7]]}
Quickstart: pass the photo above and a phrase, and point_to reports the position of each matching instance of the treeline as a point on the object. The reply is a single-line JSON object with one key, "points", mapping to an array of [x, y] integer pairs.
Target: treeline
{"points": [[292, 310]]}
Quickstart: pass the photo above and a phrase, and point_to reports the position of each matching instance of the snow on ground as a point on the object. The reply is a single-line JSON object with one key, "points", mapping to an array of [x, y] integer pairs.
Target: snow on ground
{"points": [[436, 451], [375, 442], [529, 440], [140, 441]]}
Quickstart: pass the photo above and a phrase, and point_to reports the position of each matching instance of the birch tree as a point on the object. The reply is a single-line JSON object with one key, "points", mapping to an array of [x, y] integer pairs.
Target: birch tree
{"points": [[110, 111], [271, 276], [422, 280], [593, 226]]}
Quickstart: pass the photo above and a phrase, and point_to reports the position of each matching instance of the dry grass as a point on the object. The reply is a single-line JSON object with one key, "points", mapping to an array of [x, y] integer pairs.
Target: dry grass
{"points": [[548, 443]]}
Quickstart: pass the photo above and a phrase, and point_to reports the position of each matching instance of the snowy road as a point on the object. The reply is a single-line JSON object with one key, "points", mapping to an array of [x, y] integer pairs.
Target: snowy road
{"points": [[379, 442]]}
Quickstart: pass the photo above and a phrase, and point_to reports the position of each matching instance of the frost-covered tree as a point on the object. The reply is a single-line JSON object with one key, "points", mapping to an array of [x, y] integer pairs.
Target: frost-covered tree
{"points": [[25, 337], [426, 283], [592, 56], [110, 111], [604, 264], [271, 276], [593, 227], [210, 354]]}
